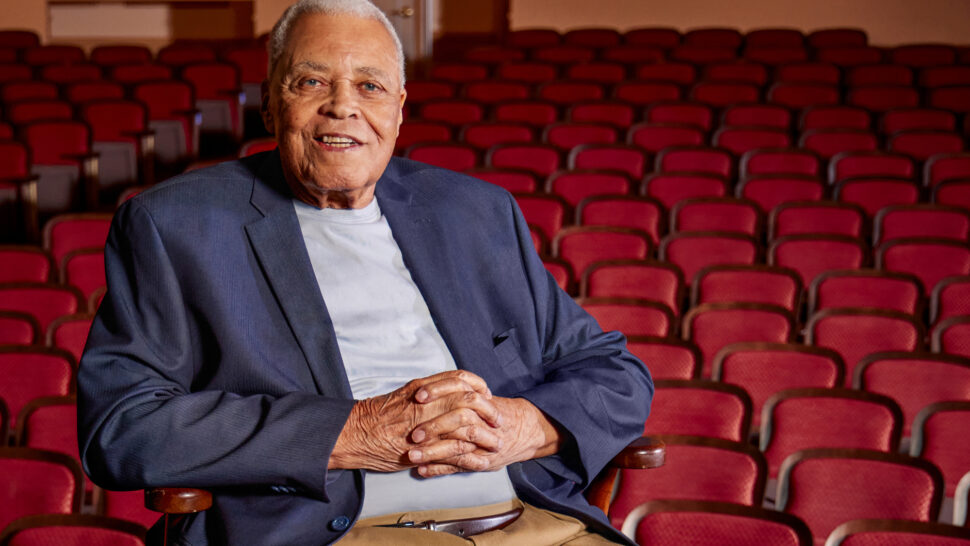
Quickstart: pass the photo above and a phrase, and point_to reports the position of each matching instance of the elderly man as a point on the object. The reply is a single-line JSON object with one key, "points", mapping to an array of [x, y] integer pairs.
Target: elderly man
{"points": [[338, 343]]}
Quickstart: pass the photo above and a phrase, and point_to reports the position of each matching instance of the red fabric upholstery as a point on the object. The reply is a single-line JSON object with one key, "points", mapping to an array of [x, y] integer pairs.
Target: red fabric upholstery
{"points": [[813, 254], [827, 487], [764, 369], [939, 436], [68, 232], [866, 288], [37, 482], [674, 523], [24, 263], [930, 259], [857, 332], [641, 213], [717, 214], [695, 159], [44, 301], [914, 380], [632, 317], [803, 418], [712, 326], [667, 358], [583, 245], [695, 468], [699, 408], [576, 185], [816, 218], [693, 251], [747, 283], [655, 281]]}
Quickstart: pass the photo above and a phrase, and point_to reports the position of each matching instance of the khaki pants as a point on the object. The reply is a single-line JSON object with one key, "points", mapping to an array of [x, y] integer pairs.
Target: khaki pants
{"points": [[534, 527]]}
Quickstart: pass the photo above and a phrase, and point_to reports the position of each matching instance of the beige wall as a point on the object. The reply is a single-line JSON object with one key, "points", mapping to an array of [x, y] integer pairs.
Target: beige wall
{"points": [[266, 12], [25, 14], [888, 22]]}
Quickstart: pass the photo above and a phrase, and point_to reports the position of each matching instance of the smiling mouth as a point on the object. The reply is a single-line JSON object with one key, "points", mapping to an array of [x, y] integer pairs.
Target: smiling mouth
{"points": [[333, 141]]}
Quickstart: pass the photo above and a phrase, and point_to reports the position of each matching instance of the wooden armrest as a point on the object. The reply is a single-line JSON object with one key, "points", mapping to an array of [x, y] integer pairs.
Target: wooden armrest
{"points": [[81, 158], [642, 453], [645, 452], [139, 134], [89, 176], [20, 181], [177, 500], [193, 115], [146, 157], [26, 189]]}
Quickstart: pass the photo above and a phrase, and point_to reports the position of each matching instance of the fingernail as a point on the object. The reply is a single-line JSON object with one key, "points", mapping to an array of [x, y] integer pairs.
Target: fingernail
{"points": [[421, 395], [418, 436], [415, 456]]}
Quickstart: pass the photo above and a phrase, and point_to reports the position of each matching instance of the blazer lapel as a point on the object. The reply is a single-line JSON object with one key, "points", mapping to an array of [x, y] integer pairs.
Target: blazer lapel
{"points": [[278, 244]]}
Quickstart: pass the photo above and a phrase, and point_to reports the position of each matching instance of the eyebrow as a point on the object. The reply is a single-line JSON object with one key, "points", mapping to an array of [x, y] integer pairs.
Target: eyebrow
{"points": [[372, 72], [311, 65], [323, 67]]}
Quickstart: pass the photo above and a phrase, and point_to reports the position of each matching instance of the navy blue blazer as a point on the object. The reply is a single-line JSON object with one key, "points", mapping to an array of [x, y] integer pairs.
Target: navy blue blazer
{"points": [[213, 363]]}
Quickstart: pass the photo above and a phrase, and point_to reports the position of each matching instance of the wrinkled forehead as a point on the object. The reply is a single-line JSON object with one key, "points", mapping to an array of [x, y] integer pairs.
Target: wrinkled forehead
{"points": [[324, 40]]}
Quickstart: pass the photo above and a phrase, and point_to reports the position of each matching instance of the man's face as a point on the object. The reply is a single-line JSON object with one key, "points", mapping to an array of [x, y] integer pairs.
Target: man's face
{"points": [[334, 103]]}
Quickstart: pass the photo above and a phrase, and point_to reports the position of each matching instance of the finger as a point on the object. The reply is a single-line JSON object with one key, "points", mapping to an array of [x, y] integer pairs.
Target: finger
{"points": [[439, 451], [470, 462], [437, 386], [482, 436], [458, 410], [433, 470], [445, 424]]}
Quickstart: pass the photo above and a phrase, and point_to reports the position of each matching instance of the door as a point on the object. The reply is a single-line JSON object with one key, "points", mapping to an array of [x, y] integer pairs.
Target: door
{"points": [[413, 20]]}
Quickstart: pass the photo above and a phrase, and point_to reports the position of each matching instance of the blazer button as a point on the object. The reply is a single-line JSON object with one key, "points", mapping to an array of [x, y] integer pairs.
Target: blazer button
{"points": [[340, 523]]}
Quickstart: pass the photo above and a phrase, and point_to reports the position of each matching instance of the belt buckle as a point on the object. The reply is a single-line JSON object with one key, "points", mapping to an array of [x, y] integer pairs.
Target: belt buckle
{"points": [[429, 525], [463, 527]]}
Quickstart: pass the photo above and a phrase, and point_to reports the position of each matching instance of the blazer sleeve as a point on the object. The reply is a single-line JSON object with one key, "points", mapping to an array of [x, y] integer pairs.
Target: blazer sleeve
{"points": [[593, 388], [141, 421]]}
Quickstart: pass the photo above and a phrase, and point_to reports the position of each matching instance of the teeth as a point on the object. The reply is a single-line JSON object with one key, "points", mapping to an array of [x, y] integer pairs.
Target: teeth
{"points": [[337, 141]]}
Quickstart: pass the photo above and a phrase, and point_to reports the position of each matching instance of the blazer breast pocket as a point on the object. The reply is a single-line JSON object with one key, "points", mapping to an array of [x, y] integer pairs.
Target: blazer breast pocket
{"points": [[506, 348]]}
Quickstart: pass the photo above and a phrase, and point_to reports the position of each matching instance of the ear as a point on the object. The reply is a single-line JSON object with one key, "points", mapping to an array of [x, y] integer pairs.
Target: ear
{"points": [[265, 111], [400, 111]]}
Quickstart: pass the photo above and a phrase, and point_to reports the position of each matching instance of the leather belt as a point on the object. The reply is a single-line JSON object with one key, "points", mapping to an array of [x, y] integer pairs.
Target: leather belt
{"points": [[465, 527]]}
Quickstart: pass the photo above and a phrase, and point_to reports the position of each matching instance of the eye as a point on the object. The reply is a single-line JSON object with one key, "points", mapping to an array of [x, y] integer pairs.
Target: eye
{"points": [[370, 86], [311, 82]]}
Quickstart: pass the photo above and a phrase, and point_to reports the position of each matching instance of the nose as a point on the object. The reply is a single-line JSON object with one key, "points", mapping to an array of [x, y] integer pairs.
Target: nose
{"points": [[341, 102]]}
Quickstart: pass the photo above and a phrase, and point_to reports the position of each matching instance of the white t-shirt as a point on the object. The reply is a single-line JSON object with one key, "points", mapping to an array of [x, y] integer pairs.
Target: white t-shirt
{"points": [[386, 338]]}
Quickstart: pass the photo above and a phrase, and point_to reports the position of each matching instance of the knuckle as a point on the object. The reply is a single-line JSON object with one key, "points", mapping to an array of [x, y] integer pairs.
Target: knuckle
{"points": [[463, 447], [467, 416], [473, 463]]}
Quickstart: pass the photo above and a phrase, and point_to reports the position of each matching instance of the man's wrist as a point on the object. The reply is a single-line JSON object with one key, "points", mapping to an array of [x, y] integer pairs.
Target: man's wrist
{"points": [[343, 454], [547, 436]]}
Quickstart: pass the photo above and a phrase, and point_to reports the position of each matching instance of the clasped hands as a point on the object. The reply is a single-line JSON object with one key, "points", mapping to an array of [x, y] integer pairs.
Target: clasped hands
{"points": [[443, 424]]}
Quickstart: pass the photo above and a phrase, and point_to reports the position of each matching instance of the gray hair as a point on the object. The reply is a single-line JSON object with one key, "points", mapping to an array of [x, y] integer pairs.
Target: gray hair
{"points": [[358, 8]]}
